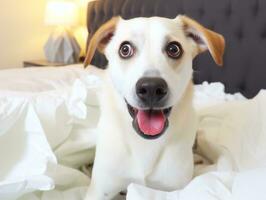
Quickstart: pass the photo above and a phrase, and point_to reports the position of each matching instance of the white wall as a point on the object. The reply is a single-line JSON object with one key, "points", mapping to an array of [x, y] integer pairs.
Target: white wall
{"points": [[22, 31]]}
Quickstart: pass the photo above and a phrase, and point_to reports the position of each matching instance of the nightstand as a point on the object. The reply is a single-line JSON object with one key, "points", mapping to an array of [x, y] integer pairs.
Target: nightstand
{"points": [[43, 63]]}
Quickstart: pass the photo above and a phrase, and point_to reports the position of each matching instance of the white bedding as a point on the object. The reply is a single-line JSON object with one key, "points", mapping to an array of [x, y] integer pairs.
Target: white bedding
{"points": [[48, 126], [45, 130]]}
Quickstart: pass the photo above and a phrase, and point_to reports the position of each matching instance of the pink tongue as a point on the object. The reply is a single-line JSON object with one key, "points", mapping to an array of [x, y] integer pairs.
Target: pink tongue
{"points": [[151, 122]]}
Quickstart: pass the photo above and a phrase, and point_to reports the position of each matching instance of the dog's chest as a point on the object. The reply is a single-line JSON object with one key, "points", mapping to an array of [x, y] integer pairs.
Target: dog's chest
{"points": [[146, 156], [166, 168]]}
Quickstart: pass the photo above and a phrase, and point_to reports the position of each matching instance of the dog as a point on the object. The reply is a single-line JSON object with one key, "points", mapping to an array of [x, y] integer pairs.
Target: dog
{"points": [[148, 125]]}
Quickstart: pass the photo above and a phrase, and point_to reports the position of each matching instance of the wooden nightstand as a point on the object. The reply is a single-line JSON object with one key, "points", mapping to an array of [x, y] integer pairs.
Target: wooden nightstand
{"points": [[43, 63]]}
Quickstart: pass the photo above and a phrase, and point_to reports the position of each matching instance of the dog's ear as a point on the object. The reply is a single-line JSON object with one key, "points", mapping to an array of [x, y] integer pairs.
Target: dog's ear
{"points": [[101, 38], [203, 38]]}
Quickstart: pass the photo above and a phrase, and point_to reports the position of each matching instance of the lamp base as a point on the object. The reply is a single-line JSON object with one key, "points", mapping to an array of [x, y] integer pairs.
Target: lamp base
{"points": [[62, 47]]}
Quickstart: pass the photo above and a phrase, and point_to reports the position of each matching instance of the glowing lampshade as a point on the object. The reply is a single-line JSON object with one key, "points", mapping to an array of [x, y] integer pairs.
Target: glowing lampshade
{"points": [[61, 13]]}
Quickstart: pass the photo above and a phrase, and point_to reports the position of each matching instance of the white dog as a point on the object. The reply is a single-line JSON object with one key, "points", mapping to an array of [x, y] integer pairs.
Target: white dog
{"points": [[147, 125]]}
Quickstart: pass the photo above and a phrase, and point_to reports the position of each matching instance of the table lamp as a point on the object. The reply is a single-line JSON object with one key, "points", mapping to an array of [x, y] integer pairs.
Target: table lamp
{"points": [[62, 47]]}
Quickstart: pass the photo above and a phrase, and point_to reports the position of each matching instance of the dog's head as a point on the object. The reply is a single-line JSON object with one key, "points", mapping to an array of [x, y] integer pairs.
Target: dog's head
{"points": [[150, 64]]}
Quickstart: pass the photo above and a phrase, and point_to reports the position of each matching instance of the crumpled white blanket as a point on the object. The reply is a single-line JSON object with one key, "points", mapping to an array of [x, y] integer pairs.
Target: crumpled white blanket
{"points": [[247, 185], [47, 132], [56, 125], [25, 154], [208, 94]]}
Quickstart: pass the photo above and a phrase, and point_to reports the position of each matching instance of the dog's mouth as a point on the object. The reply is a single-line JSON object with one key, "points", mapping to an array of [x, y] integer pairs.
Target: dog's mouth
{"points": [[149, 123]]}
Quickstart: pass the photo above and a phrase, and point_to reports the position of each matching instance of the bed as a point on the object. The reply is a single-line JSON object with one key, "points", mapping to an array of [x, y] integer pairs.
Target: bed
{"points": [[49, 116]]}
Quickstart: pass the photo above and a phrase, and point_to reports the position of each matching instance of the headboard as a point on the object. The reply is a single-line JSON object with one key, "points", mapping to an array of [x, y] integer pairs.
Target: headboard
{"points": [[242, 22]]}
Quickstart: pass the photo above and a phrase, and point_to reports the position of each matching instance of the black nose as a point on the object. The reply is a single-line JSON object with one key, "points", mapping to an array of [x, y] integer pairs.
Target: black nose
{"points": [[151, 90]]}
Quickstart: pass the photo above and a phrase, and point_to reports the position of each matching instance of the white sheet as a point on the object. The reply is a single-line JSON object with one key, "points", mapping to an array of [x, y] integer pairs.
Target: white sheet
{"points": [[65, 106]]}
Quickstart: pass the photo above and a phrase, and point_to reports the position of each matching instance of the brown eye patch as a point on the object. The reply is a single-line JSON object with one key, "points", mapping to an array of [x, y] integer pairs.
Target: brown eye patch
{"points": [[174, 50]]}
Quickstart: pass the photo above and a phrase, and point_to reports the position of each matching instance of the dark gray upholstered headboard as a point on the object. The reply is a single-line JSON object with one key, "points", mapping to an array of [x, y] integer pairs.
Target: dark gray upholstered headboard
{"points": [[242, 22]]}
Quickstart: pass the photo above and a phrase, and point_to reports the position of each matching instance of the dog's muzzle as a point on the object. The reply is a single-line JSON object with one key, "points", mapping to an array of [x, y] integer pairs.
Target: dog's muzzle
{"points": [[151, 121]]}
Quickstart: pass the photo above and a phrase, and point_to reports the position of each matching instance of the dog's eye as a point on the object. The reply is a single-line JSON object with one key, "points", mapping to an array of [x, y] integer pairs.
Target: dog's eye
{"points": [[126, 50], [174, 50]]}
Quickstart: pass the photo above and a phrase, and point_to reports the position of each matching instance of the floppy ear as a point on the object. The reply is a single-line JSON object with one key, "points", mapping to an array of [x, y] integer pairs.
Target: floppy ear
{"points": [[204, 39], [100, 39]]}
